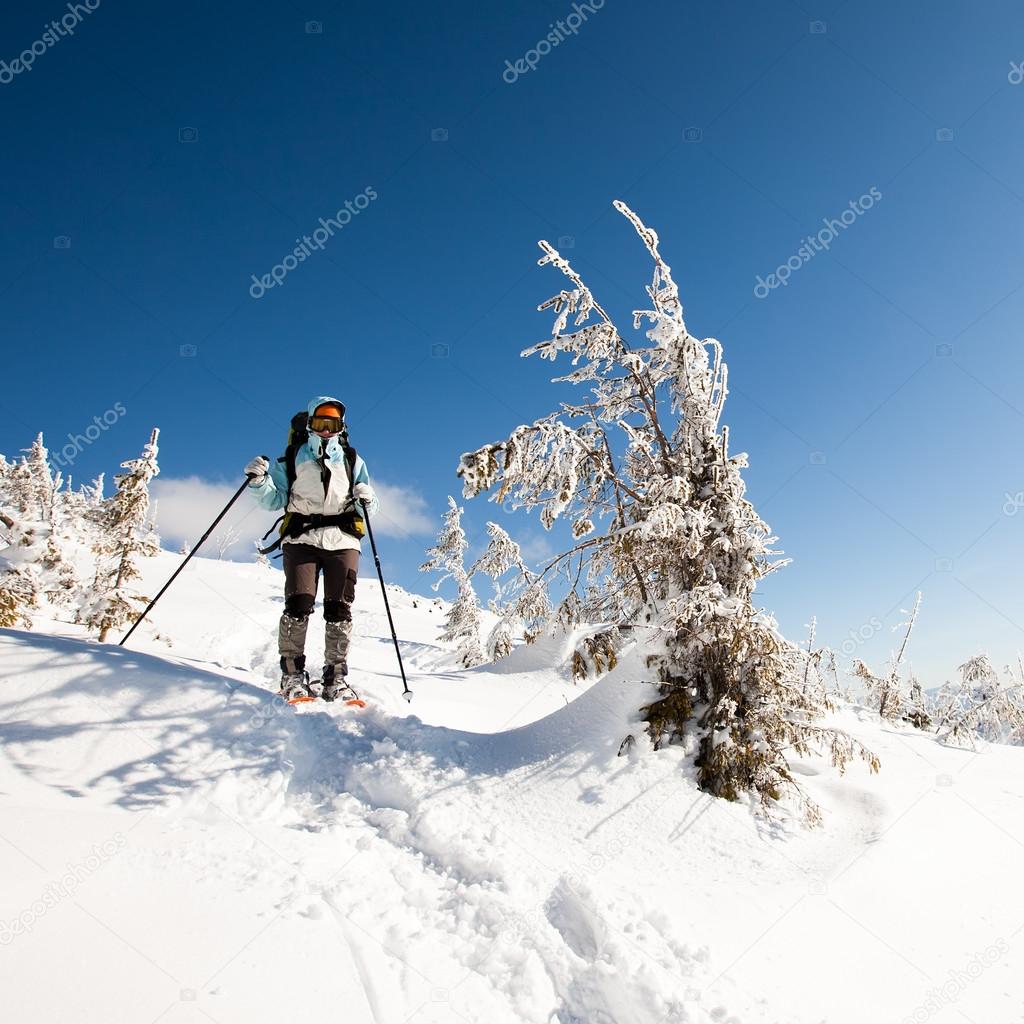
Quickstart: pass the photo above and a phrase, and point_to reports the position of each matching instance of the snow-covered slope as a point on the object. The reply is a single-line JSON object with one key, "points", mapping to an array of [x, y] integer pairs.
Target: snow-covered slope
{"points": [[176, 846]]}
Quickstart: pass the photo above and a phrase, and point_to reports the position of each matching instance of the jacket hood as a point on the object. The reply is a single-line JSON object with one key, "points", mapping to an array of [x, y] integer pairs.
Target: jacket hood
{"points": [[333, 448], [323, 400]]}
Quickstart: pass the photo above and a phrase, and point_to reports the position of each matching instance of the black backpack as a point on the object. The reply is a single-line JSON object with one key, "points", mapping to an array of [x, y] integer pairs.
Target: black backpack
{"points": [[292, 524]]}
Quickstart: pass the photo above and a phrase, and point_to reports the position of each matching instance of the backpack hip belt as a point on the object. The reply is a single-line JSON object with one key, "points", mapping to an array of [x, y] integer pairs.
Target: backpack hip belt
{"points": [[294, 524]]}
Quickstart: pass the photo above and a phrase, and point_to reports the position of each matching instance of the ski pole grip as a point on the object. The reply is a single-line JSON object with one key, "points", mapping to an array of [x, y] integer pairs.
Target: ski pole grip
{"points": [[252, 476]]}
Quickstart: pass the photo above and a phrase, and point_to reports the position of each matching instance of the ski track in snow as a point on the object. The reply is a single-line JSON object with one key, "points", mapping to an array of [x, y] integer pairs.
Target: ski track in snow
{"points": [[513, 870]]}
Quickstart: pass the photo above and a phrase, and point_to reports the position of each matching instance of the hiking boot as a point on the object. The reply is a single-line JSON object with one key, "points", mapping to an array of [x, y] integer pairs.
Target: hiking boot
{"points": [[294, 684], [332, 691], [335, 685]]}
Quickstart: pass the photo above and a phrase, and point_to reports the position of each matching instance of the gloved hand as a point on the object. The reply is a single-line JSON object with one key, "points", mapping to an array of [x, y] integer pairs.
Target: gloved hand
{"points": [[363, 492], [257, 469]]}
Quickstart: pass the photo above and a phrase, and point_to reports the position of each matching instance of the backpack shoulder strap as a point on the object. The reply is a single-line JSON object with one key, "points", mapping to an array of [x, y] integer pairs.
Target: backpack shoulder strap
{"points": [[350, 463], [289, 464], [296, 439]]}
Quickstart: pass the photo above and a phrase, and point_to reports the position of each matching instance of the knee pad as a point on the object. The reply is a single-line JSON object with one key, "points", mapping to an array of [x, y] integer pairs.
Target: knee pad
{"points": [[299, 606], [337, 611]]}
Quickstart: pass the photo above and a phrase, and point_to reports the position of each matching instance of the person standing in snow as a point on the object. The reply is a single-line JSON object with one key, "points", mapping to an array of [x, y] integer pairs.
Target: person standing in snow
{"points": [[320, 535]]}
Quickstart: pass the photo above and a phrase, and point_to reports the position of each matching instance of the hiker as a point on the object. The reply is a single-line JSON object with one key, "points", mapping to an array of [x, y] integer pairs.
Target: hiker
{"points": [[317, 483]]}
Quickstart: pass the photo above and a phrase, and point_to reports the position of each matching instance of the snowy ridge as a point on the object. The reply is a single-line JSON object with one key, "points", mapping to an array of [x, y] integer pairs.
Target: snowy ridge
{"points": [[486, 857]]}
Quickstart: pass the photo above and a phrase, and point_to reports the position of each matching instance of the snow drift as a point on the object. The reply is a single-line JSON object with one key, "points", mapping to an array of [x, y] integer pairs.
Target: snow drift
{"points": [[179, 846]]}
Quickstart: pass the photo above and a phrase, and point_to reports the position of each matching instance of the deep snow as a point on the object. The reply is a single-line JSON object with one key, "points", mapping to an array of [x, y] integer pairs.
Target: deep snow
{"points": [[177, 846]]}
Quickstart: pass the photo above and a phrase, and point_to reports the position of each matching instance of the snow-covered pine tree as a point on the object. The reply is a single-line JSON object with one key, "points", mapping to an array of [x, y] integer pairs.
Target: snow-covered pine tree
{"points": [[126, 536], [94, 492], [19, 584], [682, 549], [916, 706], [18, 593], [448, 556], [59, 579], [32, 562], [71, 531], [39, 485]]}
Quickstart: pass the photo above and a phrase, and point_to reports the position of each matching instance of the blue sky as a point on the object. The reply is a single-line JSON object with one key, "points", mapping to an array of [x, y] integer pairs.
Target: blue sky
{"points": [[157, 158]]}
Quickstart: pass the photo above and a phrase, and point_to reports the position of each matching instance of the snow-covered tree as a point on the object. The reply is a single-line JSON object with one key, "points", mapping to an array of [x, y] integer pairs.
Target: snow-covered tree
{"points": [[887, 691], [19, 585], [521, 604], [126, 536], [916, 706], [981, 707], [226, 539], [681, 549], [60, 581], [33, 565], [94, 492], [28, 484], [817, 663], [448, 556], [38, 491]]}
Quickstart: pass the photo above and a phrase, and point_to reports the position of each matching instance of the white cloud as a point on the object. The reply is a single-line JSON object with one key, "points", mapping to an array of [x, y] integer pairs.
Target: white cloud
{"points": [[185, 507], [403, 512], [537, 548]]}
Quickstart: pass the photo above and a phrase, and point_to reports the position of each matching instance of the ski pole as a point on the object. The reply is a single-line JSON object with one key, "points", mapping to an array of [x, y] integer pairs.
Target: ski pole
{"points": [[406, 692], [188, 557]]}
